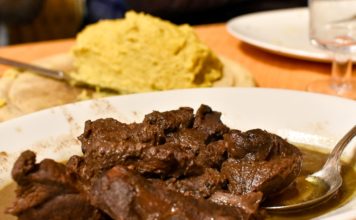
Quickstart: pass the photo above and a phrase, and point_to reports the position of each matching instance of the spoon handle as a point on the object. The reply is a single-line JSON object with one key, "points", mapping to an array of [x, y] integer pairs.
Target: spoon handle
{"points": [[334, 157], [37, 69]]}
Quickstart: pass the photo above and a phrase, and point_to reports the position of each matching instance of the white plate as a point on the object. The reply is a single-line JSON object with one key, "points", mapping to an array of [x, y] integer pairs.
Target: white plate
{"points": [[284, 32], [298, 116]]}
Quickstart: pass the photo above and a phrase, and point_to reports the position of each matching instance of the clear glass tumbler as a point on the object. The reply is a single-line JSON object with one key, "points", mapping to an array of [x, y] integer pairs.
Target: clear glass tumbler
{"points": [[332, 26]]}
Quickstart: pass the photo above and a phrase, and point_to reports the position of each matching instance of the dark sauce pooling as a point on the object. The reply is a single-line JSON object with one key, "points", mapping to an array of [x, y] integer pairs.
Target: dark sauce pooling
{"points": [[303, 190]]}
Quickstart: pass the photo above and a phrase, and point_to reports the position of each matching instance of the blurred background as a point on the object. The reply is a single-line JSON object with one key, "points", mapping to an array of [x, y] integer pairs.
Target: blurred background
{"points": [[23, 21]]}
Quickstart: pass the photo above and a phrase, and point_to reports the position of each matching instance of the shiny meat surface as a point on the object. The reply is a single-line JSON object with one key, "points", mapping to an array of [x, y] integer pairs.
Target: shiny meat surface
{"points": [[46, 188], [260, 161], [124, 195]]}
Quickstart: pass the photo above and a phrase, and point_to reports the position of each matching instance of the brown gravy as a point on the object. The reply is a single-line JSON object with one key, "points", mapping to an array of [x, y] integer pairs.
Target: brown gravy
{"points": [[313, 160], [6, 199]]}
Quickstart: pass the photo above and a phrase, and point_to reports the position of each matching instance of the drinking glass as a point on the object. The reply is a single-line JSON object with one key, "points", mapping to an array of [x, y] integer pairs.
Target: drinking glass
{"points": [[332, 26]]}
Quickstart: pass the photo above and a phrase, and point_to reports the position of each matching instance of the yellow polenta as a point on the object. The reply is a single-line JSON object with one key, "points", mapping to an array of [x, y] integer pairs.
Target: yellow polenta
{"points": [[143, 53]]}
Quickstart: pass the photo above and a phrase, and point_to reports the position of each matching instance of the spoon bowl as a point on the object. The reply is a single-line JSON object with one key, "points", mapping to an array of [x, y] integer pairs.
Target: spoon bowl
{"points": [[327, 181]]}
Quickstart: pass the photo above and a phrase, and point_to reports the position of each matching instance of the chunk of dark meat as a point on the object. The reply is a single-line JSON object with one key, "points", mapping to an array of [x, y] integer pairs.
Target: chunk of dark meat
{"points": [[268, 177], [166, 144], [107, 142], [46, 191], [249, 202], [260, 161], [258, 145], [212, 155], [125, 196], [201, 186], [208, 121]]}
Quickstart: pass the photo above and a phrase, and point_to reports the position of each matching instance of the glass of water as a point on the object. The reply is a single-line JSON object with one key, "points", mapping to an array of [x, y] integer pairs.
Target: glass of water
{"points": [[332, 26]]}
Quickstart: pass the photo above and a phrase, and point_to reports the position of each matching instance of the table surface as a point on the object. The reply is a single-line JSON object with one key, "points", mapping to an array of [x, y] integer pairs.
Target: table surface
{"points": [[269, 70]]}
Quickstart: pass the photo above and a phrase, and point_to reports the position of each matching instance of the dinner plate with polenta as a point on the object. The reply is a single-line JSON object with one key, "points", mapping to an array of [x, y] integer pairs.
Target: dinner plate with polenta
{"points": [[136, 54]]}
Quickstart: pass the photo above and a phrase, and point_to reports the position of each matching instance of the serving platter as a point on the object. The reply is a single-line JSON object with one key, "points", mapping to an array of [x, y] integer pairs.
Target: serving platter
{"points": [[284, 32], [300, 117]]}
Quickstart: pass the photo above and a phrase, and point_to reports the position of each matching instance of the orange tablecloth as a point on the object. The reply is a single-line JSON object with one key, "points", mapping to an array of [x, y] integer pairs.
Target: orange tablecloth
{"points": [[269, 70]]}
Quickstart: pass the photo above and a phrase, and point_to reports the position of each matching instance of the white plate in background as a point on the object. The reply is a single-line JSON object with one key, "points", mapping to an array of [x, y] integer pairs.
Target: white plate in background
{"points": [[283, 32], [301, 117]]}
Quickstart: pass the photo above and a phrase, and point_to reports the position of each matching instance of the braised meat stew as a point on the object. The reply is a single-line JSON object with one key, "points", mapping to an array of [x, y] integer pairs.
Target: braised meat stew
{"points": [[173, 165]]}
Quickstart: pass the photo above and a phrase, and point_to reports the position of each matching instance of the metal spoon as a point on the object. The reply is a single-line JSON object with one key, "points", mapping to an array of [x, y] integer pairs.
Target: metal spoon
{"points": [[328, 177], [55, 74]]}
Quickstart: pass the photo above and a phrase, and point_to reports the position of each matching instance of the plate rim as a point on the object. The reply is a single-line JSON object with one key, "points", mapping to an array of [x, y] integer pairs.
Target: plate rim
{"points": [[274, 48]]}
